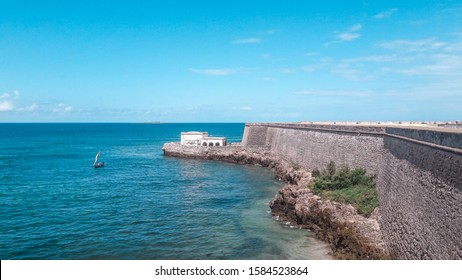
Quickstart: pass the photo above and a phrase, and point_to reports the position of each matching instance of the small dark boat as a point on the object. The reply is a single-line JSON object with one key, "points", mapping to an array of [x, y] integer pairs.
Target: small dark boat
{"points": [[97, 164]]}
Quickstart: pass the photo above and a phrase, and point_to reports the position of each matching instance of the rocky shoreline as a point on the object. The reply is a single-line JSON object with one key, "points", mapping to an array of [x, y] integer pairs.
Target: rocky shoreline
{"points": [[350, 235]]}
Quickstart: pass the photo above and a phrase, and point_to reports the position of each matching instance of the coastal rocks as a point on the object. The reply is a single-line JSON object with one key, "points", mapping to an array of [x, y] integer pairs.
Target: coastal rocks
{"points": [[235, 154], [351, 236], [286, 173]]}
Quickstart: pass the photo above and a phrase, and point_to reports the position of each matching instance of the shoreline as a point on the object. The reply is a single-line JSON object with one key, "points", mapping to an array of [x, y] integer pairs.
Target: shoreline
{"points": [[350, 235]]}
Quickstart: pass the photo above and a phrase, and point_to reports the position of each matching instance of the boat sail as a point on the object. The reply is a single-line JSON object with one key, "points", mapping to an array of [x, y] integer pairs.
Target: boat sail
{"points": [[97, 164]]}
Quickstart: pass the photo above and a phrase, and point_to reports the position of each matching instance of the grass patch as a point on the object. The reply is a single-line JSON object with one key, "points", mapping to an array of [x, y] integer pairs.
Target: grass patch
{"points": [[345, 185]]}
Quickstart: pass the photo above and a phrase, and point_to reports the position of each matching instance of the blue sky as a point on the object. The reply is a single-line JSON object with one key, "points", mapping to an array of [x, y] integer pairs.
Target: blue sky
{"points": [[230, 61]]}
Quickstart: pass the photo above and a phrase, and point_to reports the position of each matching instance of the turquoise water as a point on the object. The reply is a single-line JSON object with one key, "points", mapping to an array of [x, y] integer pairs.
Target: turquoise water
{"points": [[141, 205]]}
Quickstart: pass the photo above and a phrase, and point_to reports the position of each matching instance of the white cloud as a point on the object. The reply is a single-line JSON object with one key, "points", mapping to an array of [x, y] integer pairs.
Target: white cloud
{"points": [[16, 94], [288, 70], [385, 14], [316, 66], [454, 47], [270, 32], [356, 27], [246, 108], [30, 108], [366, 68], [322, 63], [413, 45], [440, 89], [4, 95], [350, 34], [311, 54], [348, 72], [61, 107], [373, 58], [334, 93], [443, 65], [309, 68], [346, 36], [252, 40], [214, 72], [417, 22], [6, 106], [436, 59]]}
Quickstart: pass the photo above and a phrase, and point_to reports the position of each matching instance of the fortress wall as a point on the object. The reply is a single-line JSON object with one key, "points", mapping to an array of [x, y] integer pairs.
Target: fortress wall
{"points": [[312, 149], [254, 135], [420, 201], [448, 139], [419, 185]]}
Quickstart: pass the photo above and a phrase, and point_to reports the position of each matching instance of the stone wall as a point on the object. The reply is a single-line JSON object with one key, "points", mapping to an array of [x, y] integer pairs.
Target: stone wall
{"points": [[254, 135], [420, 201], [447, 139], [419, 177], [314, 149]]}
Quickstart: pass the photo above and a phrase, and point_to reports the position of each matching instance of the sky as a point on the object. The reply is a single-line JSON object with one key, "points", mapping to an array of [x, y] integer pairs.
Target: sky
{"points": [[230, 61]]}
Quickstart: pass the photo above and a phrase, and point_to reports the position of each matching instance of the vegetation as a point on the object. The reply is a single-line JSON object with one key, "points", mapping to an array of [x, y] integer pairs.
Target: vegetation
{"points": [[345, 185]]}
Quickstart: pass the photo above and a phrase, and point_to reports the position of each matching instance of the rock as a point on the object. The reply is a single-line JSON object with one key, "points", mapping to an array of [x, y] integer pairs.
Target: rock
{"points": [[375, 214], [351, 236]]}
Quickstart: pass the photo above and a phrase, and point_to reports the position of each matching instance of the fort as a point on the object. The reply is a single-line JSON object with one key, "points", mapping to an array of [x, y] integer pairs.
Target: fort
{"points": [[418, 169]]}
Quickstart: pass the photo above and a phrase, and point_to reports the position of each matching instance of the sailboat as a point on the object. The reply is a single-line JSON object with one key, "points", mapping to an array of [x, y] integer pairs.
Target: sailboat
{"points": [[97, 164]]}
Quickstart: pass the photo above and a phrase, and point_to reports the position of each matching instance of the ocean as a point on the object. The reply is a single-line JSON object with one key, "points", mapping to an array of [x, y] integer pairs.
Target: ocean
{"points": [[141, 205]]}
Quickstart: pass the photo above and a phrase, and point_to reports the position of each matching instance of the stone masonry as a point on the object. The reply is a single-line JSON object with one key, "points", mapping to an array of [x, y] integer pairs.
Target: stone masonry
{"points": [[419, 176]]}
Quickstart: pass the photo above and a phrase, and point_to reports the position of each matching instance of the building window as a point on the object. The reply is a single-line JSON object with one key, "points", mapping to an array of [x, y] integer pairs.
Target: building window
{"points": [[217, 144], [204, 144], [211, 144]]}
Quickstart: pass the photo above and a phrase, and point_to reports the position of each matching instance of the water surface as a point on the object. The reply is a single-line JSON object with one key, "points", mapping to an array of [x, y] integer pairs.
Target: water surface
{"points": [[141, 205]]}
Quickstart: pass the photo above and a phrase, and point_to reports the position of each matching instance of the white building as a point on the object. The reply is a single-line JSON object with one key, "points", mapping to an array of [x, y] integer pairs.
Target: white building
{"points": [[193, 138], [196, 138], [213, 141]]}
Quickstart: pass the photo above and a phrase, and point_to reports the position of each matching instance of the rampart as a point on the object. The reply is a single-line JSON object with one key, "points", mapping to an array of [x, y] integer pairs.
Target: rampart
{"points": [[419, 176]]}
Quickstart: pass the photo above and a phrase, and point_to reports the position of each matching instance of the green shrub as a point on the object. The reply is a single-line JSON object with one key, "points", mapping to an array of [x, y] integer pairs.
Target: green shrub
{"points": [[331, 168], [355, 187], [315, 173]]}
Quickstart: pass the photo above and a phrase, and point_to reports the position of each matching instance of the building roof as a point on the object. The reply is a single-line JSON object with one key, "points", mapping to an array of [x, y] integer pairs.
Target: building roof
{"points": [[194, 133], [214, 138]]}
